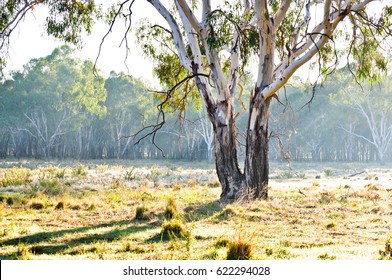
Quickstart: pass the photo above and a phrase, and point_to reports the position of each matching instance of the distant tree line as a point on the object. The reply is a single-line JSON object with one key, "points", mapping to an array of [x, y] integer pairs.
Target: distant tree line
{"points": [[343, 121], [56, 107]]}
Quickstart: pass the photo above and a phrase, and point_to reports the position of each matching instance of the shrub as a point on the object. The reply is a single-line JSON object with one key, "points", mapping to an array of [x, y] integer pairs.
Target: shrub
{"points": [[328, 172]]}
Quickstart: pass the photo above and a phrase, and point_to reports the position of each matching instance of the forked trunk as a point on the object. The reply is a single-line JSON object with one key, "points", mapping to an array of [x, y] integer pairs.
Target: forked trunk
{"points": [[252, 184]]}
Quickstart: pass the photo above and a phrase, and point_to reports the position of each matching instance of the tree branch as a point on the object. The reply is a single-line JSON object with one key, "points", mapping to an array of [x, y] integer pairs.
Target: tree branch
{"points": [[189, 15], [177, 36]]}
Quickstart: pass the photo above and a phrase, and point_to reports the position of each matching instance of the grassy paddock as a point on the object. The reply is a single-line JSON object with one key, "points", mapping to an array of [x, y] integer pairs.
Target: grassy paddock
{"points": [[152, 210]]}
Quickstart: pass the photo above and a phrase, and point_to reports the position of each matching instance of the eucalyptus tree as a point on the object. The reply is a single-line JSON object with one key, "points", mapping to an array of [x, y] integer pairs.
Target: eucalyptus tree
{"points": [[373, 103], [215, 44], [128, 110], [51, 97]]}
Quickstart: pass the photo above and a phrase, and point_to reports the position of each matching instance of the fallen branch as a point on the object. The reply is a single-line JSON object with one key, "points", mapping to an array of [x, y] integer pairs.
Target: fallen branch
{"points": [[358, 173]]}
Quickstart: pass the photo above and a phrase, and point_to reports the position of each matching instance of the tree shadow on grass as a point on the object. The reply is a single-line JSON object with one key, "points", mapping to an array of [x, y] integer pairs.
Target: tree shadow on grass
{"points": [[199, 212], [192, 213], [51, 249]]}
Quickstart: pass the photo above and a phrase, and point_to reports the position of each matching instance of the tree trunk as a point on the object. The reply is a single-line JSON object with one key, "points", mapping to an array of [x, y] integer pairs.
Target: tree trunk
{"points": [[256, 161], [253, 183], [226, 161]]}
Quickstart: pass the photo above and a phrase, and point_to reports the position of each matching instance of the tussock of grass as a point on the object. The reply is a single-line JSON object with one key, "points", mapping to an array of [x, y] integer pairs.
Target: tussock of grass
{"points": [[221, 242], [14, 177], [173, 229], [192, 183], [329, 172], [241, 247], [75, 207], [386, 254], [213, 184], [141, 213], [327, 197], [23, 252], [326, 256], [10, 201], [37, 205], [239, 250], [60, 205], [79, 170], [171, 210]]}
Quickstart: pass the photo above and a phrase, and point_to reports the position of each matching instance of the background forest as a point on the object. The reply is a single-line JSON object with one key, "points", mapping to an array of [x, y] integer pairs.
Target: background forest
{"points": [[56, 107]]}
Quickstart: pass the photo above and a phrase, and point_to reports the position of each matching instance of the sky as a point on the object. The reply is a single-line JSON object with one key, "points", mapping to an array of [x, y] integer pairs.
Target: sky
{"points": [[30, 41]]}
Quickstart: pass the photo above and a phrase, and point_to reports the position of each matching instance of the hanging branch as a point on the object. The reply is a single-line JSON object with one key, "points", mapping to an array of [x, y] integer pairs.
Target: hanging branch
{"points": [[113, 21], [161, 118]]}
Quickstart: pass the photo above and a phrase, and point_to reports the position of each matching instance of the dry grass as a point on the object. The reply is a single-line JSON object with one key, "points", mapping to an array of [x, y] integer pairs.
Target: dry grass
{"points": [[110, 211]]}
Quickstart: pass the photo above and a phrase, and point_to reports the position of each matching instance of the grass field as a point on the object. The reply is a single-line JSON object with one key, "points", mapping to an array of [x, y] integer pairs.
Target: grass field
{"points": [[151, 210]]}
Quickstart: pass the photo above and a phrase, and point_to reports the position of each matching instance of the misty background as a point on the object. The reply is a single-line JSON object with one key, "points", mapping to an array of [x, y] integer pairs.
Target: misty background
{"points": [[57, 108]]}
